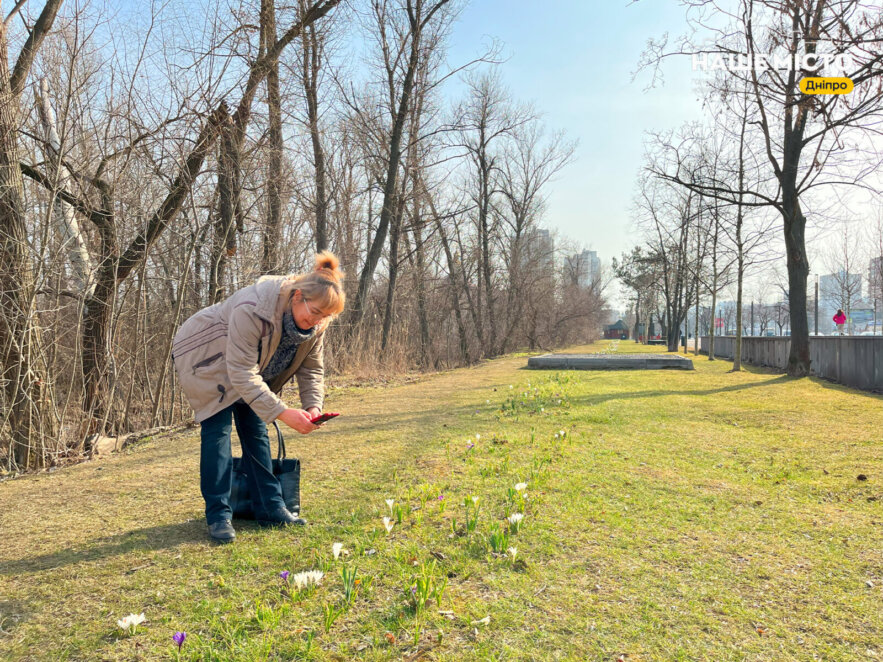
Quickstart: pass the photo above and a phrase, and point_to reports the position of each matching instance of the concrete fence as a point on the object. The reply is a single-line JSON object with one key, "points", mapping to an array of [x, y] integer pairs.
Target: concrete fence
{"points": [[852, 360]]}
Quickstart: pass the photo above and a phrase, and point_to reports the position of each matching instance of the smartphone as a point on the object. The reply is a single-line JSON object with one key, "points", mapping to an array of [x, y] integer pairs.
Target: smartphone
{"points": [[321, 418]]}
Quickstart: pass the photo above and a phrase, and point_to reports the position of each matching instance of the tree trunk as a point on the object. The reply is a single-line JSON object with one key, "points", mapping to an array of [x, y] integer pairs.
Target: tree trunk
{"points": [[483, 213], [637, 327], [20, 343], [228, 216], [420, 278], [740, 252], [312, 60], [272, 239], [66, 220], [798, 270], [737, 351], [99, 378], [395, 231], [452, 281]]}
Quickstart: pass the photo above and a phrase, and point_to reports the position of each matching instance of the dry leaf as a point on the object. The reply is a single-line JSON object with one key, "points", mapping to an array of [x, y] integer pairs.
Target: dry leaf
{"points": [[483, 621], [390, 637]]}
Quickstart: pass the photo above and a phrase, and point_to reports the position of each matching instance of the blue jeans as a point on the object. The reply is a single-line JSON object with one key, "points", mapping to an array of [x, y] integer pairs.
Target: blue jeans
{"points": [[216, 463]]}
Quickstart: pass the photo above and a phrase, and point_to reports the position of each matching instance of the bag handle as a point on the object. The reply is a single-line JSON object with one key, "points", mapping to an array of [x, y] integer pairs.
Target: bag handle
{"points": [[280, 455]]}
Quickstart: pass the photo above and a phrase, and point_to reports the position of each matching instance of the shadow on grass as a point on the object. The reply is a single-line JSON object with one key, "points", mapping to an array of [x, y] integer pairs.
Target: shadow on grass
{"points": [[831, 385], [631, 395], [151, 538]]}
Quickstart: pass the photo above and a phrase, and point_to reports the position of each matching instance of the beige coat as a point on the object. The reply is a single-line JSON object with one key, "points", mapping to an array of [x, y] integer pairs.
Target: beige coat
{"points": [[220, 352]]}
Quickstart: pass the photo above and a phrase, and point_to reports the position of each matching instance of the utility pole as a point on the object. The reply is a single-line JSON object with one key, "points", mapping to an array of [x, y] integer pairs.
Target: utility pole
{"points": [[817, 305], [752, 317]]}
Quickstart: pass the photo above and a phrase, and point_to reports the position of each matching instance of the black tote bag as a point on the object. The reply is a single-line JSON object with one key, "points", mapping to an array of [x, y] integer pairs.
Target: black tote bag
{"points": [[285, 469]]}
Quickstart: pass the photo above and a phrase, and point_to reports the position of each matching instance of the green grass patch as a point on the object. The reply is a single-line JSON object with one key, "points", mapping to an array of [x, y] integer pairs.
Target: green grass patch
{"points": [[667, 515]]}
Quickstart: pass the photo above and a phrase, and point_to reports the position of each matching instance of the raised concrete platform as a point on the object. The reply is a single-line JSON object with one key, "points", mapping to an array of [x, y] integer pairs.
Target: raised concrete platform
{"points": [[610, 362]]}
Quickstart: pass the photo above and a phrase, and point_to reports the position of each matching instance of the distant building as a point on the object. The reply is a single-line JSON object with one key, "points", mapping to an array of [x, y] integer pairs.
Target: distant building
{"points": [[539, 249], [619, 330], [587, 266], [875, 279]]}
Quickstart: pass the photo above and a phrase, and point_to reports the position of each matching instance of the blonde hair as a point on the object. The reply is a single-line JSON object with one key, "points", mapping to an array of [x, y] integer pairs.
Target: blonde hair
{"points": [[323, 285]]}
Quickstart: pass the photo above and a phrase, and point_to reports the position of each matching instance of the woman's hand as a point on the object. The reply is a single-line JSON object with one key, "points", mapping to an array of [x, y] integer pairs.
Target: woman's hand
{"points": [[298, 419], [314, 412]]}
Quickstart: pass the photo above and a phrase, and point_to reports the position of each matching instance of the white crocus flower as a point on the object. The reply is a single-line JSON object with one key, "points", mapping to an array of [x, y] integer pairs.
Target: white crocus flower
{"points": [[562, 432], [475, 500], [390, 503], [515, 518], [388, 523], [520, 487], [305, 579], [477, 437], [336, 548], [131, 621], [512, 552]]}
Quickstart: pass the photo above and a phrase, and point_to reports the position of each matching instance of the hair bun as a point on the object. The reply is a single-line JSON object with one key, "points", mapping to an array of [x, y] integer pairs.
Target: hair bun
{"points": [[328, 262]]}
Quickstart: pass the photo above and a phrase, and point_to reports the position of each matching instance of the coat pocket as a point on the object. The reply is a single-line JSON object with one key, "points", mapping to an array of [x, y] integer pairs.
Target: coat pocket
{"points": [[207, 361]]}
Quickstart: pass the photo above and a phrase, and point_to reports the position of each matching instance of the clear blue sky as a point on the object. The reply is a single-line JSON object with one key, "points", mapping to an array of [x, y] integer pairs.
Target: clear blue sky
{"points": [[574, 59]]}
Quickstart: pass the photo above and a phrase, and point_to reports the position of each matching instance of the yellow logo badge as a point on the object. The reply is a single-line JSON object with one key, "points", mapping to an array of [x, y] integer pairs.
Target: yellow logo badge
{"points": [[826, 85]]}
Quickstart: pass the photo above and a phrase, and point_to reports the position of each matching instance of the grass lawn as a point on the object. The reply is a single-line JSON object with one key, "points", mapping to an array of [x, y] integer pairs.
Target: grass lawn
{"points": [[700, 515]]}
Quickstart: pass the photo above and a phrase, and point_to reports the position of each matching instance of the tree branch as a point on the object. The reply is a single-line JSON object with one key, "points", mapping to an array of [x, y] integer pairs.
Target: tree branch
{"points": [[29, 50]]}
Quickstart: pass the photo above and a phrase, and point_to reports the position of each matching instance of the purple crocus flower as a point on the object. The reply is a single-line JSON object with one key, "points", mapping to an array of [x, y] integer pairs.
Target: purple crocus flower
{"points": [[179, 638], [284, 574], [441, 497], [414, 589], [470, 446]]}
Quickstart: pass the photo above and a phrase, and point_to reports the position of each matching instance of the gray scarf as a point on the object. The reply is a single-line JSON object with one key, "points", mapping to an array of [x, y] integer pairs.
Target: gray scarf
{"points": [[292, 337]]}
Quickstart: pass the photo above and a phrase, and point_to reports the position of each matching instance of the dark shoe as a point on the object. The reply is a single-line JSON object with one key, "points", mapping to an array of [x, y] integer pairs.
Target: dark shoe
{"points": [[222, 531], [282, 517]]}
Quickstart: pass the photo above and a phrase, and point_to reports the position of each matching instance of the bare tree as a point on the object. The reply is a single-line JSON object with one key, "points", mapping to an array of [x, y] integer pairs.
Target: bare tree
{"points": [[486, 119], [669, 215], [528, 165], [409, 26], [229, 213], [25, 385], [802, 134], [638, 273]]}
